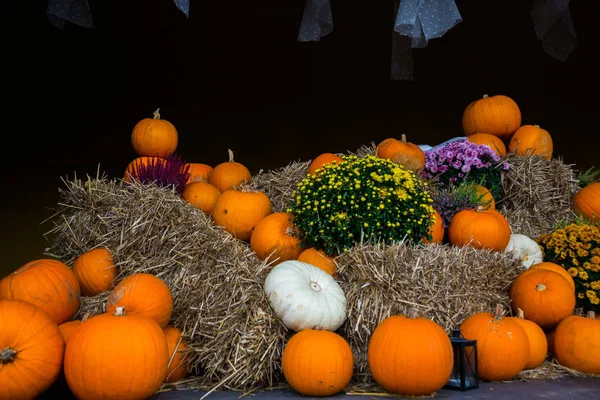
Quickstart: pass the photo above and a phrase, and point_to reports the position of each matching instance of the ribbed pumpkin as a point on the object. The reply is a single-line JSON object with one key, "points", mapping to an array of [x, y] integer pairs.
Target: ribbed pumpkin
{"points": [[322, 159], [496, 115], [228, 174], [481, 229], [142, 294], [502, 344], [95, 271], [68, 328], [402, 152], [493, 142], [116, 356], [586, 202], [410, 355], [545, 296], [47, 284], [31, 350], [436, 230], [319, 259], [199, 172], [486, 198], [556, 268], [131, 172], [577, 343], [317, 363], [239, 211], [177, 368], [154, 137], [531, 140], [538, 344], [201, 195], [276, 237]]}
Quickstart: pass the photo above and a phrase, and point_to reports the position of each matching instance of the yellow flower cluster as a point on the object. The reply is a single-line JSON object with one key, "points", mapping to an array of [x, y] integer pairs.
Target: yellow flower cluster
{"points": [[577, 248], [361, 199]]}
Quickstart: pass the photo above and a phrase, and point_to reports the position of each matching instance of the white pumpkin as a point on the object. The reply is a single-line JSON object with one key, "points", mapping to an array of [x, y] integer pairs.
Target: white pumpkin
{"points": [[305, 297], [526, 249]]}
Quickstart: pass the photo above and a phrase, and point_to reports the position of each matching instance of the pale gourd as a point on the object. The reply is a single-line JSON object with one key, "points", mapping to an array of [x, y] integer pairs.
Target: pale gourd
{"points": [[526, 249], [305, 297]]}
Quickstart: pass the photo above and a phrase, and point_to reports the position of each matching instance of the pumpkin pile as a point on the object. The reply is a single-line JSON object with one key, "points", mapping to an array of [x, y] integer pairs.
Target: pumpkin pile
{"points": [[217, 283]]}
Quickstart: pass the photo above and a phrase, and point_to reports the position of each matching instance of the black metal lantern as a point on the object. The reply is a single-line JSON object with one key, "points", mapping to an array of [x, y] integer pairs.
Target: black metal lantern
{"points": [[464, 373]]}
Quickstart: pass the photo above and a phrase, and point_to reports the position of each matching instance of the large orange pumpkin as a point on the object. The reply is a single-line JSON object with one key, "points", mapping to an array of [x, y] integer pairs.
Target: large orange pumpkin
{"points": [[95, 271], [154, 137], [31, 350], [502, 344], [531, 140], [319, 259], [142, 294], [317, 362], [410, 355], [586, 202], [116, 356], [547, 265], [47, 284], [276, 237], [322, 159], [577, 343], [228, 174], [538, 343], [239, 211], [492, 141], [481, 229], [496, 115], [201, 195], [404, 153], [177, 368], [545, 297]]}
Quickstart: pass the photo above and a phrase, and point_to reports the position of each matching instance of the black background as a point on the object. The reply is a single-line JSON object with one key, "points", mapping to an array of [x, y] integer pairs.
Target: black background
{"points": [[233, 75]]}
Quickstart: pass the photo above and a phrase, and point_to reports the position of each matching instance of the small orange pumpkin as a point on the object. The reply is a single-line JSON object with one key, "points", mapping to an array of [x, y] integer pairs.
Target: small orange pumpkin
{"points": [[142, 294], [201, 195], [239, 211], [177, 368], [436, 230], [276, 237], [481, 229], [154, 137], [404, 153], [317, 362], [133, 167], [492, 141], [319, 259], [68, 328], [95, 271], [577, 343], [496, 115], [538, 344], [47, 284], [228, 174], [531, 140], [486, 199], [586, 202], [198, 172], [322, 159]]}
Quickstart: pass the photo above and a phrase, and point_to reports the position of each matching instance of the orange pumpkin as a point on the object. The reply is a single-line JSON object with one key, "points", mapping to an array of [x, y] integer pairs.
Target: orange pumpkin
{"points": [[486, 199], [228, 174], [553, 267], [201, 195], [133, 167], [154, 137], [481, 229], [492, 141], [410, 355], [577, 343], [142, 294], [317, 362], [404, 153], [319, 259], [31, 350], [496, 115], [586, 202], [502, 344], [545, 297], [319, 161], [68, 328], [436, 230], [177, 368], [47, 284], [198, 172], [538, 344], [238, 212], [95, 271], [116, 356], [276, 237], [531, 140]]}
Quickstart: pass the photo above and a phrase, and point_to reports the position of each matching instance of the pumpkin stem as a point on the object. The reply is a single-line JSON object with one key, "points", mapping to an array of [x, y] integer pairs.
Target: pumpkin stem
{"points": [[119, 311], [403, 138], [7, 355], [591, 314], [230, 155], [156, 114], [498, 314], [413, 313], [479, 208], [315, 286], [540, 287], [520, 313], [485, 96]]}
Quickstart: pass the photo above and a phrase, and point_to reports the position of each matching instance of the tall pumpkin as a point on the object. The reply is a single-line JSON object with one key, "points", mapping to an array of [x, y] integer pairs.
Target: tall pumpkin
{"points": [[31, 350], [239, 211], [481, 229], [276, 237], [47, 284], [229, 174], [502, 344], [577, 343], [116, 356], [586, 202], [530, 140], [154, 137], [410, 355], [497, 115], [95, 271]]}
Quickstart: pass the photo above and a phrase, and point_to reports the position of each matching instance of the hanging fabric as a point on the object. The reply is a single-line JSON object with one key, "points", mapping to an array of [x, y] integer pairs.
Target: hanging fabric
{"points": [[554, 27], [317, 21]]}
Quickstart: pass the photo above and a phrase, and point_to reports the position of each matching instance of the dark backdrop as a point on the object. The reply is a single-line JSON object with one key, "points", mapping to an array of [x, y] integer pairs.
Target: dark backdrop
{"points": [[232, 75]]}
